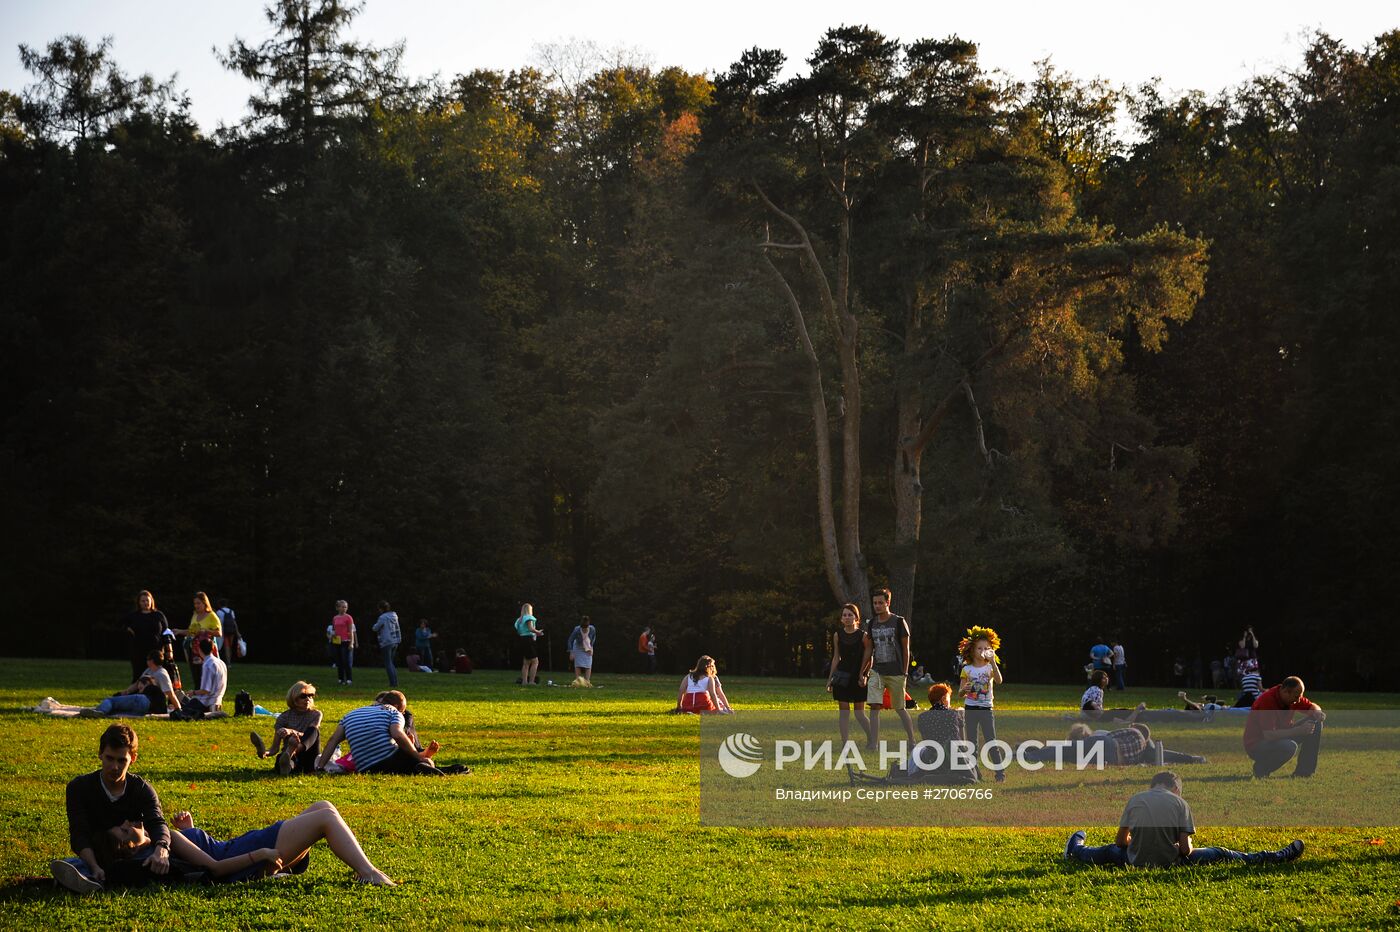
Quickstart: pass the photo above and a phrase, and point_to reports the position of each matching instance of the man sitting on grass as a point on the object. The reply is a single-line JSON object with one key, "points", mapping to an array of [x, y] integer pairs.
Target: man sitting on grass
{"points": [[1155, 831], [379, 742], [209, 697], [105, 798]]}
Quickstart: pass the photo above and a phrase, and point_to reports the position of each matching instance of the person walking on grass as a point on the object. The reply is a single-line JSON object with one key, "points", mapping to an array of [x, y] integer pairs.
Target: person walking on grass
{"points": [[423, 640], [109, 796], [850, 669], [386, 626], [1155, 831], [887, 639], [529, 645]]}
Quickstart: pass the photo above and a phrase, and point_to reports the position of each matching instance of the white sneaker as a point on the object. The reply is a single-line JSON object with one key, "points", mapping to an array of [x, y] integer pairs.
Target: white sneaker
{"points": [[68, 876]]}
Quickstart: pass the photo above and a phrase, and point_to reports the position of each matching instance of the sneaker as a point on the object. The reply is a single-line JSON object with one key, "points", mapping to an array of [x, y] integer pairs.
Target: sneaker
{"points": [[90, 713], [1292, 851], [258, 744], [1001, 776], [349, 682], [68, 876], [284, 761], [1075, 841]]}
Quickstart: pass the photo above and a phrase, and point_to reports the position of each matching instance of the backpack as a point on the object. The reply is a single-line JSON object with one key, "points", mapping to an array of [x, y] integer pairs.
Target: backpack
{"points": [[243, 703]]}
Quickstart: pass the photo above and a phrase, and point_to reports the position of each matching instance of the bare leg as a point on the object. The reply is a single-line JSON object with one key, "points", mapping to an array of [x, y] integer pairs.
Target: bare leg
{"points": [[845, 719], [323, 820], [873, 738], [862, 719]]}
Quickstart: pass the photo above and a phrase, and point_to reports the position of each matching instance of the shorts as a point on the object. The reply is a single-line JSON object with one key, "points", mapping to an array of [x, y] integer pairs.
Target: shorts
{"points": [[879, 682], [697, 702], [236, 847], [529, 648]]}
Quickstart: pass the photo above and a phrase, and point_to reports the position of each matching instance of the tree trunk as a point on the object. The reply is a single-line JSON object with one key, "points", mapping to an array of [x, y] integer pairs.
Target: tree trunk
{"points": [[908, 501]]}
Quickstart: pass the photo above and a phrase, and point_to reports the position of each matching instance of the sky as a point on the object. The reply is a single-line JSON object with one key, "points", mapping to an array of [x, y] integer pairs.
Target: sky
{"points": [[1189, 44]]}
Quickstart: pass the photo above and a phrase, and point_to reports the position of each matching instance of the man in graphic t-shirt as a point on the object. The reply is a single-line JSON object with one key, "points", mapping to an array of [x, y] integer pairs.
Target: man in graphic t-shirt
{"points": [[888, 637]]}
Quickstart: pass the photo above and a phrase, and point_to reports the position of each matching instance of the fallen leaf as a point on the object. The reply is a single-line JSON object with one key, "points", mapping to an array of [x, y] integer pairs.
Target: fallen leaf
{"points": [[1376, 841]]}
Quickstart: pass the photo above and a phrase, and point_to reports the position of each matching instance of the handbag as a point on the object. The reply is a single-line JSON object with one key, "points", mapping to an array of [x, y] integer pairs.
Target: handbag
{"points": [[840, 679], [242, 648]]}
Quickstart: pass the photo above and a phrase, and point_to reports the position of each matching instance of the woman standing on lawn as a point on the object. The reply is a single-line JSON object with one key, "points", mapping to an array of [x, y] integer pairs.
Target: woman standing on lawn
{"points": [[204, 623], [850, 665], [259, 852]]}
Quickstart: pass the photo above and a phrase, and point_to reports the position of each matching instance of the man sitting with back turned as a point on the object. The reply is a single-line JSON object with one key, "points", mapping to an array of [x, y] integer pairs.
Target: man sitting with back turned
{"points": [[1155, 831]]}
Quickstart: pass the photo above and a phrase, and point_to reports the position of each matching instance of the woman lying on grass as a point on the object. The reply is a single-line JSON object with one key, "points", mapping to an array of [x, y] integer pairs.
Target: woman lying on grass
{"points": [[257, 853]]}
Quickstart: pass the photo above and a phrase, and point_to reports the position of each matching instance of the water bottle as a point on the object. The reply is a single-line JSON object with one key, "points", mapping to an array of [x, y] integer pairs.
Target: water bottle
{"points": [[1157, 753]]}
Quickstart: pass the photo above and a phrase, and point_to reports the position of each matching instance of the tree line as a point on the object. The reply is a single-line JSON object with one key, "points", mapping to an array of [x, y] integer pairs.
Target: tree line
{"points": [[709, 352]]}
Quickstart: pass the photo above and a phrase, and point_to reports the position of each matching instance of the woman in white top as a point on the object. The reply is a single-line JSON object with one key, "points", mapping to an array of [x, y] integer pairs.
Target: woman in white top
{"points": [[701, 691]]}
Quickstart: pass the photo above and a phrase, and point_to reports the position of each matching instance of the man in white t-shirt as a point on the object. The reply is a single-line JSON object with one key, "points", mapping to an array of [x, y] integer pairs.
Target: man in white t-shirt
{"points": [[1120, 664], [213, 680]]}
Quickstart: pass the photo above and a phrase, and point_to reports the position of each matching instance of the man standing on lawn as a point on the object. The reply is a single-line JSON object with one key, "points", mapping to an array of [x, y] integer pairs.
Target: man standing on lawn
{"points": [[1270, 730], [105, 798], [888, 635], [1155, 831]]}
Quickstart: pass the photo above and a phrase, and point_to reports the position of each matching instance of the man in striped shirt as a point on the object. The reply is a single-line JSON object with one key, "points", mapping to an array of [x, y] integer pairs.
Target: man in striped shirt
{"points": [[378, 741], [1251, 685]]}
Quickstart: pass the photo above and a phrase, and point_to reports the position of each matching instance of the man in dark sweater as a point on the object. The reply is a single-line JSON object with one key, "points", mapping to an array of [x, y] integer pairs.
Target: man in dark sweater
{"points": [[105, 798]]}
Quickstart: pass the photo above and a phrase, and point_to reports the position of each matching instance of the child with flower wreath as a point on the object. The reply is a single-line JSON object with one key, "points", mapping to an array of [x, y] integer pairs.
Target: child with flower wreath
{"points": [[981, 673]]}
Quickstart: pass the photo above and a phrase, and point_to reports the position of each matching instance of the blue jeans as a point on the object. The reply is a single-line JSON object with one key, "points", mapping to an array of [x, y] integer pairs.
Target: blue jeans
{"points": [[134, 704], [1100, 854], [389, 651], [139, 854], [1118, 669], [343, 662], [1269, 756], [1211, 855]]}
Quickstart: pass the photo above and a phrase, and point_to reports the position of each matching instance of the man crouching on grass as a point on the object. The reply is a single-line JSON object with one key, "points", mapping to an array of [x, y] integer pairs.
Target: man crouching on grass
{"points": [[106, 797], [1156, 830]]}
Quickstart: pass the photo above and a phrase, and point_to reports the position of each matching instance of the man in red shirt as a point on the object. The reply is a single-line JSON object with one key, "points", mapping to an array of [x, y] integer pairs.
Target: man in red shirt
{"points": [[1272, 736]]}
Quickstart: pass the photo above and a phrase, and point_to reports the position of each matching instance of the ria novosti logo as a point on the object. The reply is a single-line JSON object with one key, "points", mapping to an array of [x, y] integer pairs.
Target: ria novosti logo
{"points": [[740, 755]]}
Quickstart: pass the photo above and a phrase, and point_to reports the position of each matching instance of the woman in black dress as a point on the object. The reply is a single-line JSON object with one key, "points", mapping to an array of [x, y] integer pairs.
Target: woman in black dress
{"points": [[850, 667]]}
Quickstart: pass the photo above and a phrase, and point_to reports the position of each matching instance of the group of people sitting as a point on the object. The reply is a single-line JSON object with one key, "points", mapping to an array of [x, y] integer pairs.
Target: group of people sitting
{"points": [[381, 736], [157, 690]]}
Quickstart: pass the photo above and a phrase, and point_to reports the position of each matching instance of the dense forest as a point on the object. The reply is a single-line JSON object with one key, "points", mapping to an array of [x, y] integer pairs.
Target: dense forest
{"points": [[709, 352]]}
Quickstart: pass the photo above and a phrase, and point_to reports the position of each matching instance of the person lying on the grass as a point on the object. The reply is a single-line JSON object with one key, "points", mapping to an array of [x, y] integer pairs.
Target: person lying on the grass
{"points": [[257, 853], [1155, 831], [106, 797], [379, 743], [701, 692], [297, 732], [1210, 704], [151, 694], [1131, 745]]}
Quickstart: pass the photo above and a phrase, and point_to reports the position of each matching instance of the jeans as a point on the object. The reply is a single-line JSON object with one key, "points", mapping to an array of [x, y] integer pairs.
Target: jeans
{"points": [[389, 651], [1211, 855], [343, 662], [985, 720], [1269, 756], [1118, 669], [425, 651], [134, 704], [1100, 854]]}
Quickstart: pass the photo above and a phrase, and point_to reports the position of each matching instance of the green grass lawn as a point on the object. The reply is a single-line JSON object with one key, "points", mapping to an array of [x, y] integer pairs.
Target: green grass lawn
{"points": [[583, 811]]}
